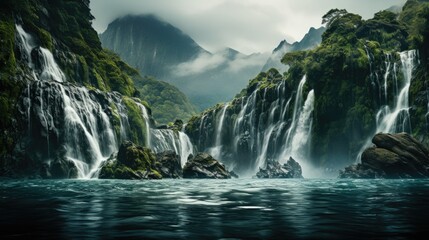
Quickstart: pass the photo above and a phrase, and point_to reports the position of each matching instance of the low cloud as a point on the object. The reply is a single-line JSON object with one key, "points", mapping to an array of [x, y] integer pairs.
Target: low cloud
{"points": [[204, 62], [246, 25], [252, 61]]}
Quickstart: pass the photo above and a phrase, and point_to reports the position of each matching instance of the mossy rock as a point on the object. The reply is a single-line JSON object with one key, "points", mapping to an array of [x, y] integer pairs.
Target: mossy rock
{"points": [[131, 162]]}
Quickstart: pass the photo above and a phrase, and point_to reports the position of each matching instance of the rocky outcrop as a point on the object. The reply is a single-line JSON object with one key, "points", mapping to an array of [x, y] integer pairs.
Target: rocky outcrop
{"points": [[136, 162], [168, 164], [290, 169], [204, 166], [131, 162], [393, 156]]}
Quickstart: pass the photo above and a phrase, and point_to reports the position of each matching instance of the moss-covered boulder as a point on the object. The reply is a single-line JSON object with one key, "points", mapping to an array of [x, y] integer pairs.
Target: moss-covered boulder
{"points": [[131, 162], [393, 156], [205, 166]]}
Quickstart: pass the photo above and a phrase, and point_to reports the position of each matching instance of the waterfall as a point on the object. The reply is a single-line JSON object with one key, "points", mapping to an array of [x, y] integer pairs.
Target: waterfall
{"points": [[146, 117], [27, 43], [388, 69], [299, 145], [74, 124], [259, 127], [216, 150], [296, 110], [167, 139], [396, 119], [49, 68], [83, 121]]}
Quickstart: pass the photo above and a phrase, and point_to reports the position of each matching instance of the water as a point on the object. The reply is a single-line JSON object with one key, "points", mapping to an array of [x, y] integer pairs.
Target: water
{"points": [[396, 119], [213, 209]]}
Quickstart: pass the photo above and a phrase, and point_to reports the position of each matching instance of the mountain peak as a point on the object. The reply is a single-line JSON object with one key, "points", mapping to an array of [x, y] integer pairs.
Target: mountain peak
{"points": [[310, 40], [149, 44], [230, 53]]}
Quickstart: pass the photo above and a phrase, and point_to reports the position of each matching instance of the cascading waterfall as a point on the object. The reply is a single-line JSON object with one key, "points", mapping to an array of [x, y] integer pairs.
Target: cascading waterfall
{"points": [[296, 110], [177, 141], [298, 147], [85, 121], [261, 129], [396, 119], [146, 117], [76, 122], [216, 150]]}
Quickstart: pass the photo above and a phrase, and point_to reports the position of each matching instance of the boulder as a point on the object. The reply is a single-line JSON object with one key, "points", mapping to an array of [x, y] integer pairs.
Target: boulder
{"points": [[273, 169], [393, 156], [131, 162], [202, 165], [168, 164]]}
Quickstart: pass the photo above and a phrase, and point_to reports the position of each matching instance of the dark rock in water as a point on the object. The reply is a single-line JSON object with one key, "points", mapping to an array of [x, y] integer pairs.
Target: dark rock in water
{"points": [[63, 169], [358, 171], [131, 162], [168, 164], [233, 174], [203, 165], [290, 169], [394, 156]]}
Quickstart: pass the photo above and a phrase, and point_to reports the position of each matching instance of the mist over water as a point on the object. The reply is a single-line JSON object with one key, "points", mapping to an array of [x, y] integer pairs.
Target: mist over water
{"points": [[189, 209]]}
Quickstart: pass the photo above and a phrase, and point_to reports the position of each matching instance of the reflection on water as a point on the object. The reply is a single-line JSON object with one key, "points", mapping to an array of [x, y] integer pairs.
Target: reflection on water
{"points": [[245, 208]]}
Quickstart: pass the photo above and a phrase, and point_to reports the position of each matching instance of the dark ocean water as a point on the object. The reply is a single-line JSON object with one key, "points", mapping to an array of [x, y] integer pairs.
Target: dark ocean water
{"points": [[213, 209]]}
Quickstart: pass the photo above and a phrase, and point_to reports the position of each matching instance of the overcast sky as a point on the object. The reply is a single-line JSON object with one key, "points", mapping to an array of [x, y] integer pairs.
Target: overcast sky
{"points": [[246, 25]]}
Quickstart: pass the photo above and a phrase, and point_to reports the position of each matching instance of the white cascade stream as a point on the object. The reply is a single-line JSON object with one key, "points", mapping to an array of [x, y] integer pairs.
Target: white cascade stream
{"points": [[396, 119], [86, 135]]}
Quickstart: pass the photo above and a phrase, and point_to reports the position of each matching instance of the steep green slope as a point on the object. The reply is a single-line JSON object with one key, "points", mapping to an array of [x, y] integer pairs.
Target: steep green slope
{"points": [[356, 73], [62, 26], [346, 73], [167, 102], [66, 103]]}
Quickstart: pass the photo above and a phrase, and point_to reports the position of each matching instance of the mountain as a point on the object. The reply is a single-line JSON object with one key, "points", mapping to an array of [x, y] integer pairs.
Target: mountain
{"points": [[311, 39], [149, 44], [158, 49]]}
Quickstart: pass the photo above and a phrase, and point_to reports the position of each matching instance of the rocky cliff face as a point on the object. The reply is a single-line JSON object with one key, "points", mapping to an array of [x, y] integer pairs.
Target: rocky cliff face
{"points": [[61, 118], [365, 77], [259, 125]]}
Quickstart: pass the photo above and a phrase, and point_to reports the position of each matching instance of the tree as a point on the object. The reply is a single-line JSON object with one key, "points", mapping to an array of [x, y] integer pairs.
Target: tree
{"points": [[333, 15]]}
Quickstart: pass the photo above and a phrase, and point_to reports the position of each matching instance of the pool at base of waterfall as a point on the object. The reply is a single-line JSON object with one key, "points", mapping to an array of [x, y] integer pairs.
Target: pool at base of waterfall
{"points": [[213, 209]]}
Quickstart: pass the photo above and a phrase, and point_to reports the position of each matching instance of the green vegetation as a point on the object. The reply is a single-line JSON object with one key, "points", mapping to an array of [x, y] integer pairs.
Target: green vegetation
{"points": [[133, 162], [10, 90], [339, 73], [416, 17], [347, 96], [167, 102], [69, 22], [137, 122]]}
